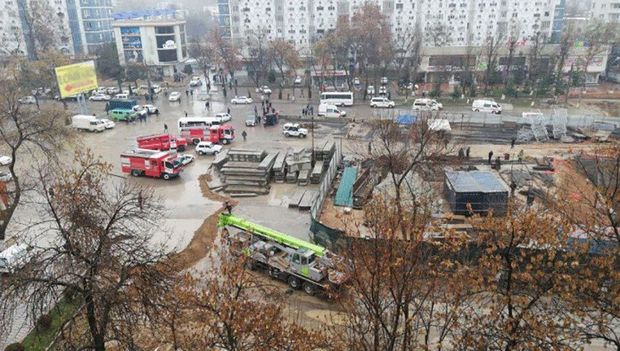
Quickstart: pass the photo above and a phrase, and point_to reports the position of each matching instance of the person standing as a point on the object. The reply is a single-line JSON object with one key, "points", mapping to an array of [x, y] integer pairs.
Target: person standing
{"points": [[467, 152], [490, 156], [228, 110], [512, 143], [255, 111], [206, 105], [186, 93], [244, 134], [185, 113]]}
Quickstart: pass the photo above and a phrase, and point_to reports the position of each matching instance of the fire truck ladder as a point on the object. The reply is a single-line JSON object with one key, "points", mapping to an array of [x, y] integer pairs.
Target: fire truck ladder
{"points": [[257, 229]]}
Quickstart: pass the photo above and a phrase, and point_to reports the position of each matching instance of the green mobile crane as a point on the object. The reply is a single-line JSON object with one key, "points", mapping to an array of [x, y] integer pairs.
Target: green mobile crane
{"points": [[298, 262]]}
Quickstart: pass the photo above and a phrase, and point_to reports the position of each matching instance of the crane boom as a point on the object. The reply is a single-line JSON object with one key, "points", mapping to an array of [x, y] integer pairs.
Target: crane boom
{"points": [[281, 238]]}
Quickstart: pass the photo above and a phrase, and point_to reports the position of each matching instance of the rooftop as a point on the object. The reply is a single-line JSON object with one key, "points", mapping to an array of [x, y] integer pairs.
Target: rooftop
{"points": [[475, 182]]}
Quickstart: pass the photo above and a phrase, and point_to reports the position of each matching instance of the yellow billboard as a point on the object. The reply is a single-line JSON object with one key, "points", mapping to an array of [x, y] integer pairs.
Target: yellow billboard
{"points": [[77, 78]]}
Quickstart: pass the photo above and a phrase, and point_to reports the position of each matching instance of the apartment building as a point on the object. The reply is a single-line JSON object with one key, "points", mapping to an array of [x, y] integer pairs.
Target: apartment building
{"points": [[91, 24], [606, 10], [452, 23]]}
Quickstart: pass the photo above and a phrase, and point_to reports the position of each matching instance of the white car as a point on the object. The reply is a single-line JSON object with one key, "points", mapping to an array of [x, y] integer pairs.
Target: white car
{"points": [[141, 111], [27, 100], [370, 90], [101, 90], [99, 97], [214, 89], [250, 121], [151, 109], [265, 90], [294, 130], [112, 90], [384, 80], [426, 105], [241, 100], [223, 116], [207, 148], [356, 81], [186, 159], [5, 177], [108, 124], [5, 160], [174, 96], [297, 80], [382, 91], [195, 81], [121, 96], [381, 102]]}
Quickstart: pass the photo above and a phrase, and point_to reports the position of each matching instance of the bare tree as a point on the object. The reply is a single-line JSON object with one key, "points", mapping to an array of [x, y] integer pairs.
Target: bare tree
{"points": [[565, 45], [24, 130], [284, 55], [490, 52], [100, 249], [204, 53], [511, 46], [259, 56], [407, 47], [227, 53], [598, 37], [45, 30]]}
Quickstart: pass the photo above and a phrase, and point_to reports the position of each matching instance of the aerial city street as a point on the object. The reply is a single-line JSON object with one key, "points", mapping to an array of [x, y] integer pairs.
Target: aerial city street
{"points": [[331, 175]]}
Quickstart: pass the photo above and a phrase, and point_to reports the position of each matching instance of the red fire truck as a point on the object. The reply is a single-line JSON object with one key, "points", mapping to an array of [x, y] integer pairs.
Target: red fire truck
{"points": [[161, 142], [218, 134], [151, 163]]}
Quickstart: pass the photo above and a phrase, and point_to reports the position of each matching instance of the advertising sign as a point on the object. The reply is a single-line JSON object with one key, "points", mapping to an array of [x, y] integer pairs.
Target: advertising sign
{"points": [[77, 78]]}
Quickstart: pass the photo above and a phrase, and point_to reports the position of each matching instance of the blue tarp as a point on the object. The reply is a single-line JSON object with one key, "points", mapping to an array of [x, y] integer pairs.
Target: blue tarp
{"points": [[406, 120], [344, 195]]}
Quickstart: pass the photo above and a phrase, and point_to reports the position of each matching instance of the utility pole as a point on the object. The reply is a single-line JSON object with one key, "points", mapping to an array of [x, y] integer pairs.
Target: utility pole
{"points": [[312, 137]]}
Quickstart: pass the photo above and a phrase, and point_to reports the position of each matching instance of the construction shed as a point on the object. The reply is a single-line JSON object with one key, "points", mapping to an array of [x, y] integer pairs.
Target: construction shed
{"points": [[483, 191]]}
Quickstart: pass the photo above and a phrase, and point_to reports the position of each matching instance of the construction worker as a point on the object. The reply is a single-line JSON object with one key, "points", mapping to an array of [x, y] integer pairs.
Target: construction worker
{"points": [[228, 207]]}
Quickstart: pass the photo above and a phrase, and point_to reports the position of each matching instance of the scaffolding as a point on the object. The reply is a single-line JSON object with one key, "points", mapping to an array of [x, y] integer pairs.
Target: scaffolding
{"points": [[559, 121], [538, 125]]}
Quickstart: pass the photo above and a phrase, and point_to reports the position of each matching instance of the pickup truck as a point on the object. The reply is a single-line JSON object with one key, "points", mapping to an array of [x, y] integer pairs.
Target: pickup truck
{"points": [[294, 130]]}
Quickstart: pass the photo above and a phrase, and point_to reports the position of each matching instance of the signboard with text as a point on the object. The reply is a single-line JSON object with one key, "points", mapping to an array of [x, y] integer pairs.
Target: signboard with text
{"points": [[76, 79]]}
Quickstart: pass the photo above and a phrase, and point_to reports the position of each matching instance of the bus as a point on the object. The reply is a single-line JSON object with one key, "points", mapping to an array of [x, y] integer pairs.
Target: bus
{"points": [[185, 123], [338, 98]]}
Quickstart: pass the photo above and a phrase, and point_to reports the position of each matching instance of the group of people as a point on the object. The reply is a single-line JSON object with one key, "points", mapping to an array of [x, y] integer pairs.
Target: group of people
{"points": [[308, 110]]}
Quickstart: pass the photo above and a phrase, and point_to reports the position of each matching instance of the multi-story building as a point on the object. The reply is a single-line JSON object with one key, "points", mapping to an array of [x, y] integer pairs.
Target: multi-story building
{"points": [[155, 38], [606, 10], [80, 27], [457, 22], [91, 24]]}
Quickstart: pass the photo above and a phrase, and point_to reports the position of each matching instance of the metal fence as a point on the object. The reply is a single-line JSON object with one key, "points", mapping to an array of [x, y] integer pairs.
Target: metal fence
{"points": [[327, 181]]}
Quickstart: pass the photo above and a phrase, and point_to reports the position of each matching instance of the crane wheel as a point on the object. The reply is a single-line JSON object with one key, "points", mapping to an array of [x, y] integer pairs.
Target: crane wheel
{"points": [[309, 288], [293, 282]]}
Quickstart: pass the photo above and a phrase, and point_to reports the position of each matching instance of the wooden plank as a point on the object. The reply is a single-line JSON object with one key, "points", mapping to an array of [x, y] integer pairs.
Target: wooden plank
{"points": [[296, 198]]}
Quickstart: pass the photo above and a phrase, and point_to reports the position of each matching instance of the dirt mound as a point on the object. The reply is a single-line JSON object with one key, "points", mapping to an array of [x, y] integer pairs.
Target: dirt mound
{"points": [[205, 235]]}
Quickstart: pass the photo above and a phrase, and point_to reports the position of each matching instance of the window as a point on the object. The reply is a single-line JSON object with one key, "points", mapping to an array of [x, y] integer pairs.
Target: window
{"points": [[296, 258]]}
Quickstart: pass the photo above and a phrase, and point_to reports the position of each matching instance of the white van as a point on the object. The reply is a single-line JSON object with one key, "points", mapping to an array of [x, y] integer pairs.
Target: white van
{"points": [[488, 106], [89, 123], [13, 258], [426, 105], [330, 111], [123, 95]]}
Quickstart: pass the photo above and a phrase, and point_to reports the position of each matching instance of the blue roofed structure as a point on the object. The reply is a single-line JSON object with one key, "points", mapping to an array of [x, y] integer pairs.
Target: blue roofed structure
{"points": [[344, 194]]}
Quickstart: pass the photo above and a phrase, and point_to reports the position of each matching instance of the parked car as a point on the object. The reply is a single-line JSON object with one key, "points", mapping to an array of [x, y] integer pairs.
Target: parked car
{"points": [[195, 81], [381, 101], [186, 159], [27, 100], [208, 148], [241, 100], [13, 258], [223, 116], [294, 130], [297, 80], [108, 124], [356, 81], [151, 109], [382, 90], [174, 96], [5, 177], [265, 90], [214, 89], [140, 110], [99, 97], [370, 90], [113, 90], [384, 80], [250, 121], [5, 160], [122, 96]]}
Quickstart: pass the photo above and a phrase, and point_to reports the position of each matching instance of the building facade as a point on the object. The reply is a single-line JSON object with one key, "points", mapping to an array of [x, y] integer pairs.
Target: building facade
{"points": [[459, 22], [91, 24], [154, 38], [606, 10]]}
